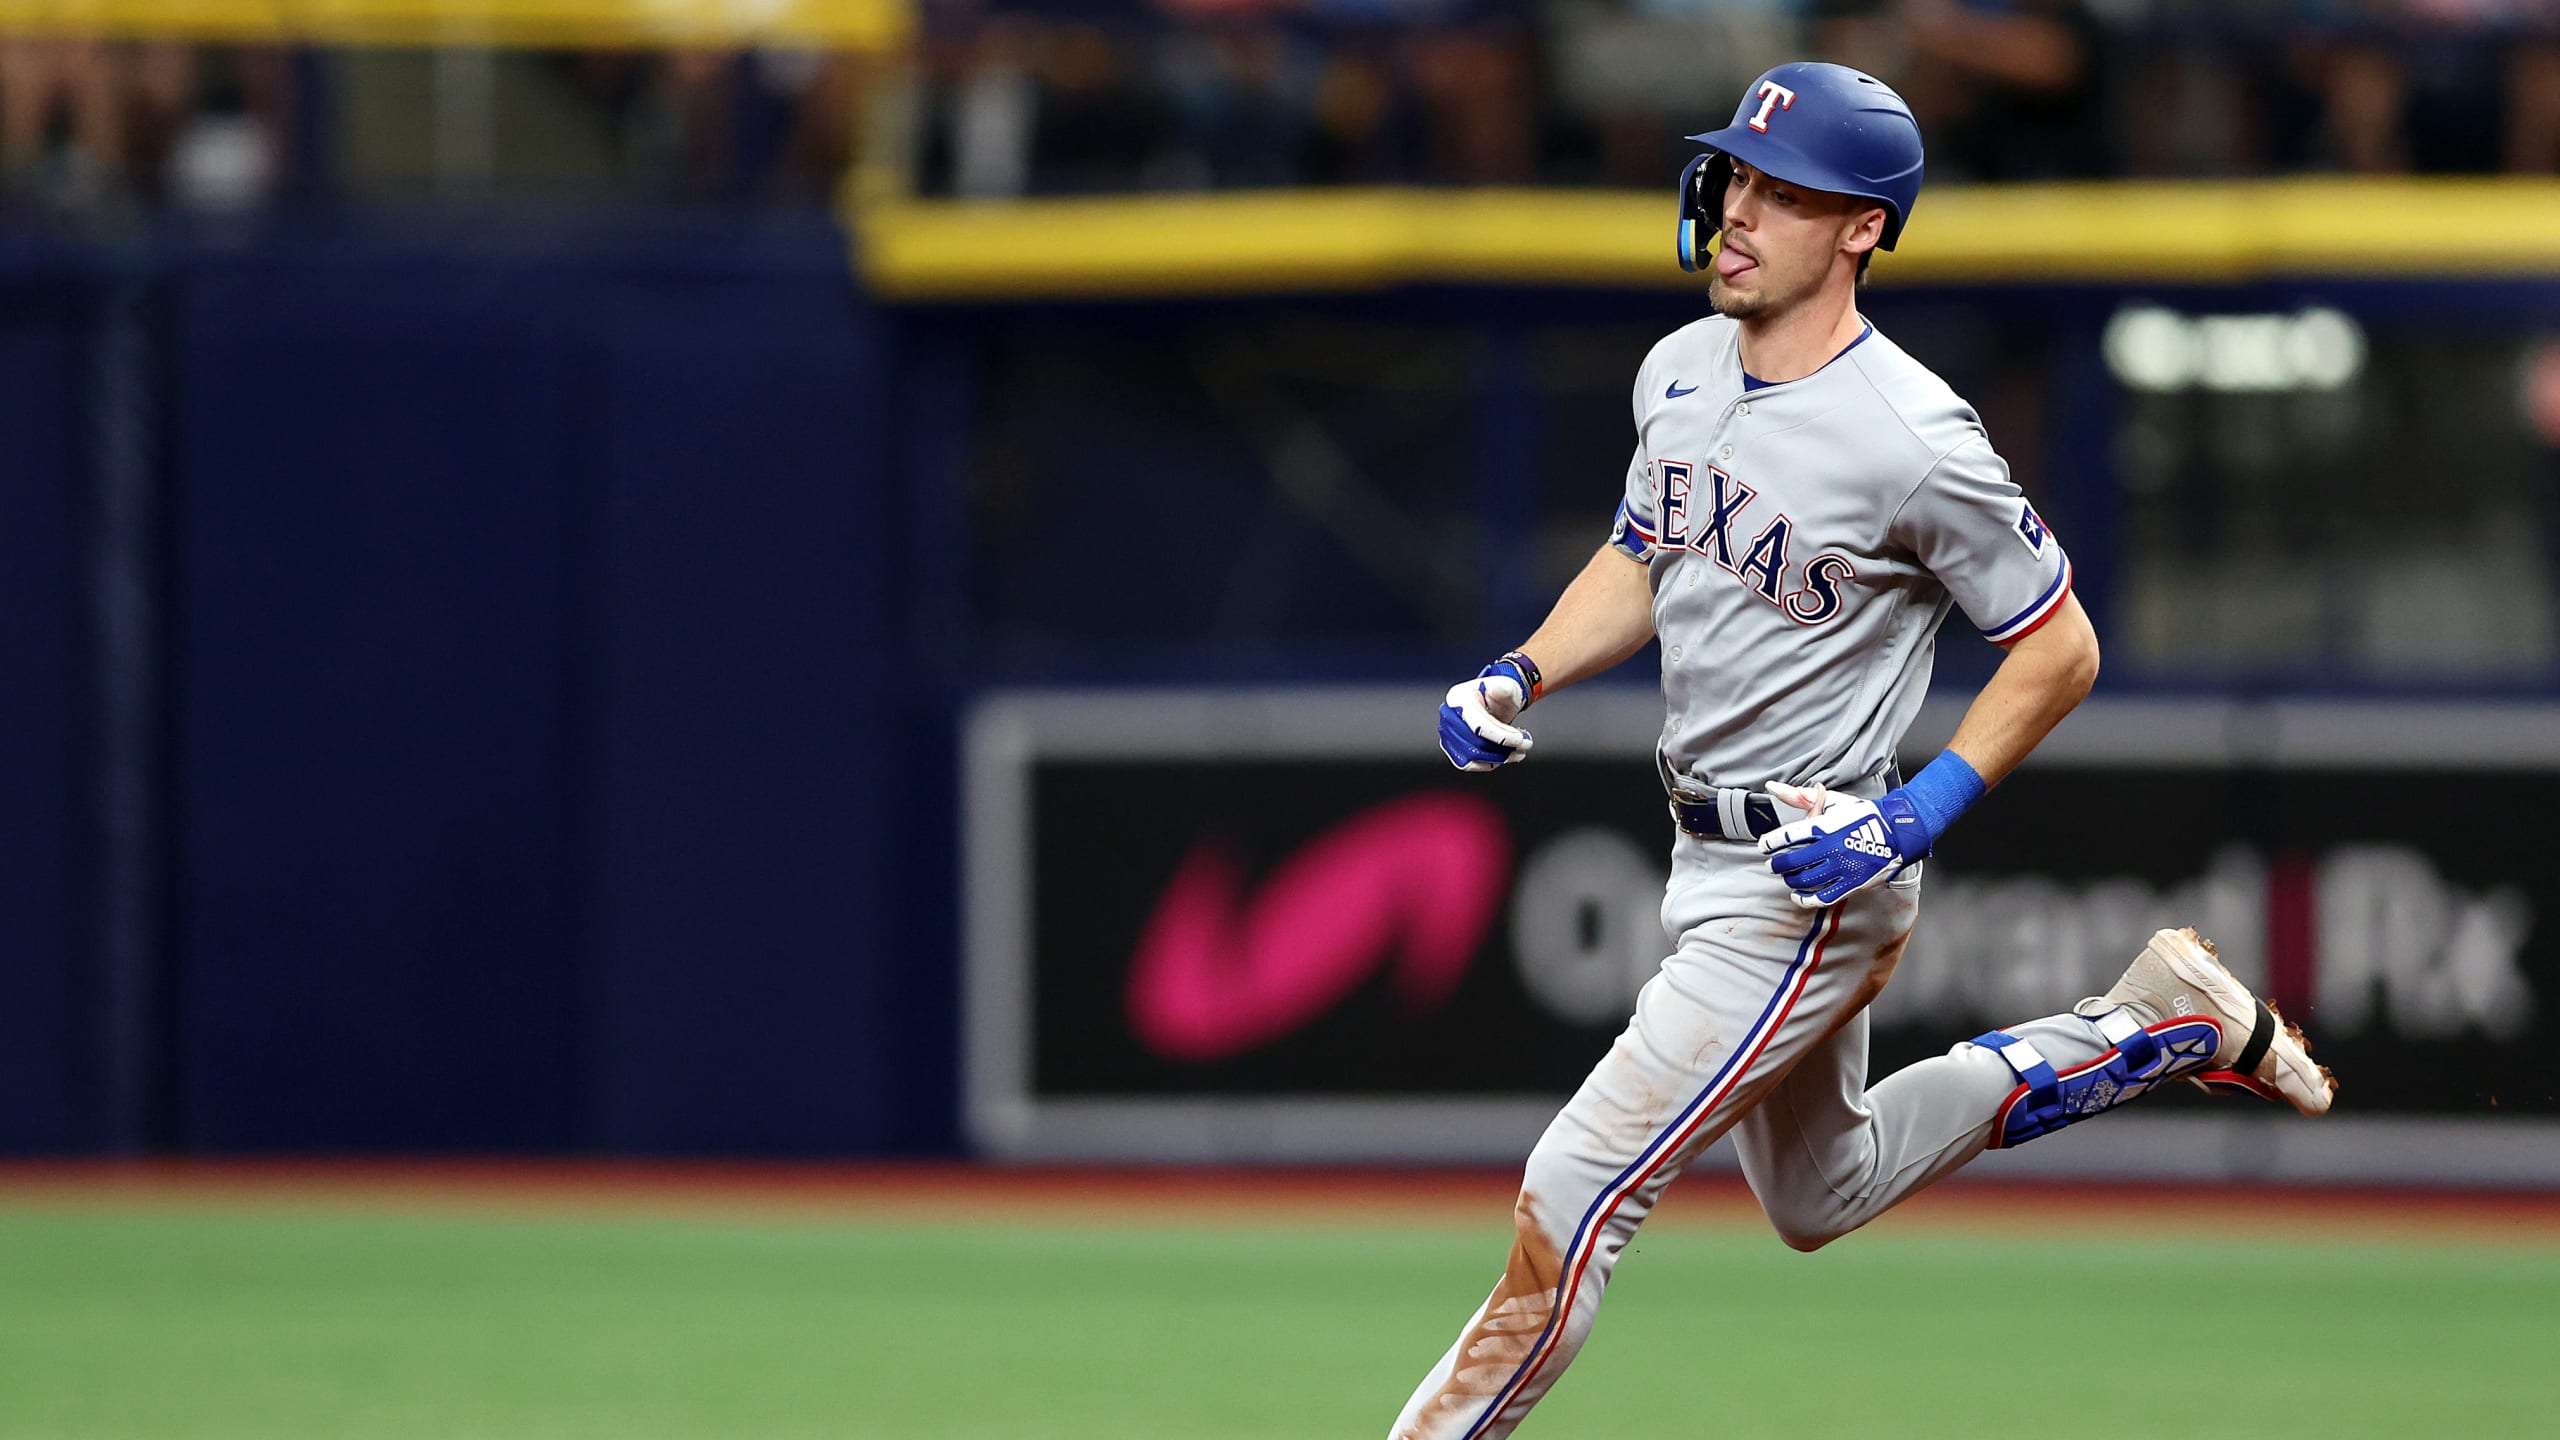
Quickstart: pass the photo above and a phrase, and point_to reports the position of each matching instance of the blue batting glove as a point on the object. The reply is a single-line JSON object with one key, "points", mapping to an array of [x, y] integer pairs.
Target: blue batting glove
{"points": [[1476, 729], [1847, 846], [1850, 846]]}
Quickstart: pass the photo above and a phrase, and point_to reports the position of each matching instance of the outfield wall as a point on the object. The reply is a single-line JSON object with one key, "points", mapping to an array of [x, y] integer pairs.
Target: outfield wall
{"points": [[497, 687], [447, 707], [47, 307]]}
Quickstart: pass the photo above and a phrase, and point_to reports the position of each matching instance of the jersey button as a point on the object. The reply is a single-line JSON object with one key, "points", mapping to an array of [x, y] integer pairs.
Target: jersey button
{"points": [[1742, 409], [1728, 453], [1675, 652]]}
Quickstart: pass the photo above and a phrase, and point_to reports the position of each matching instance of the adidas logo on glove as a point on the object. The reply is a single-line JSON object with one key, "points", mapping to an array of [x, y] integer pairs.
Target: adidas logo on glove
{"points": [[1871, 839]]}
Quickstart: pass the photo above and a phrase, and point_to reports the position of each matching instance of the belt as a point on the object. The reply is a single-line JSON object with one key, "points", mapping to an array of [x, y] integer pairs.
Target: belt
{"points": [[1740, 815], [1725, 814]]}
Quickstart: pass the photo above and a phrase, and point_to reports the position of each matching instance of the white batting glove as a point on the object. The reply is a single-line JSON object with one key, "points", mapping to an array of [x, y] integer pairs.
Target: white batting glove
{"points": [[1843, 845], [1476, 729]]}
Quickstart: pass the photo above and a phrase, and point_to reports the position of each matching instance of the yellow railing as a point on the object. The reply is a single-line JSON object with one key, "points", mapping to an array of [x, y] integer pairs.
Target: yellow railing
{"points": [[829, 24], [2162, 232]]}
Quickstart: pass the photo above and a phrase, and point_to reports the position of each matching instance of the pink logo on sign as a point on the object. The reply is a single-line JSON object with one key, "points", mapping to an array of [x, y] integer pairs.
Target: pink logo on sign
{"points": [[1412, 883]]}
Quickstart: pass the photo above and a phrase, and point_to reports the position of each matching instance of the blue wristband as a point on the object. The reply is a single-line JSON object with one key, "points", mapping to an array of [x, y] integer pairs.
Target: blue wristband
{"points": [[1943, 790]]}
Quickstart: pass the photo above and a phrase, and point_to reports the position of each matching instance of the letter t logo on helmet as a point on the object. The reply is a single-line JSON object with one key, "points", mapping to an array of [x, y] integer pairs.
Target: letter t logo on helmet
{"points": [[1773, 96], [1846, 132]]}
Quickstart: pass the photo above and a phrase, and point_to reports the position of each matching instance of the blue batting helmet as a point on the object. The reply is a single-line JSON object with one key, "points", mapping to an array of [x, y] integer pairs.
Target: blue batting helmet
{"points": [[1825, 127]]}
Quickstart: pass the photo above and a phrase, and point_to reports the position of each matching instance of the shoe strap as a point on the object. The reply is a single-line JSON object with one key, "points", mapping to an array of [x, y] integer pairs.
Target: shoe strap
{"points": [[2261, 1035]]}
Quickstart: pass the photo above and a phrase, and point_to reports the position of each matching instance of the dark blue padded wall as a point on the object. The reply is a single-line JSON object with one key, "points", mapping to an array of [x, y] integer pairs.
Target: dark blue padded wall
{"points": [[746, 773], [379, 704], [530, 794], [48, 1034]]}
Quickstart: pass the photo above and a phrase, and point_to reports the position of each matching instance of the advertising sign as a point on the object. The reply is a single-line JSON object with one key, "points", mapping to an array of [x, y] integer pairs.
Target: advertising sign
{"points": [[1240, 946]]}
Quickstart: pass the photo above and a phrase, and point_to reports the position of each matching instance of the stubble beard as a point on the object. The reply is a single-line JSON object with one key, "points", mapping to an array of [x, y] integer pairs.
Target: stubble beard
{"points": [[1732, 304]]}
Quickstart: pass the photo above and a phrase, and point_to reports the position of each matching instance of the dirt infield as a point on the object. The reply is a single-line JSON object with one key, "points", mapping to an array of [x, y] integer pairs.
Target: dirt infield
{"points": [[965, 1194]]}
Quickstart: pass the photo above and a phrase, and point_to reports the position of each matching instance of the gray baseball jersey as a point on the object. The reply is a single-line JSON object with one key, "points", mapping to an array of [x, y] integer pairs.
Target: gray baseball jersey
{"points": [[1805, 540]]}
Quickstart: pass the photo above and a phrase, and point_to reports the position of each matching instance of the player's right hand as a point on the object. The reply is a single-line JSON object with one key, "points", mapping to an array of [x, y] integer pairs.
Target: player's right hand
{"points": [[1844, 844], [1476, 732]]}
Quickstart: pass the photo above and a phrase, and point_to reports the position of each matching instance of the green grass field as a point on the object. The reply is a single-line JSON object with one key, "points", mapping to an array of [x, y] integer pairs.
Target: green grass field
{"points": [[144, 1324]]}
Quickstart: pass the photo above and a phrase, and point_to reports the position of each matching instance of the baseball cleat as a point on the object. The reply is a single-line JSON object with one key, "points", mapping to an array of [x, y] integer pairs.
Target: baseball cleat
{"points": [[2179, 974]]}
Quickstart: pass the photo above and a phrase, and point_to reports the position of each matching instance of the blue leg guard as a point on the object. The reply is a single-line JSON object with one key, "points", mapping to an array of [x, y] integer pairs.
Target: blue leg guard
{"points": [[2140, 1058]]}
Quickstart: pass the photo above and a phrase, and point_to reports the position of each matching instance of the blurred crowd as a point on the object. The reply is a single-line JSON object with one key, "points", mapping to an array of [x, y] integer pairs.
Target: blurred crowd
{"points": [[1004, 97], [1225, 93], [84, 122], [104, 128]]}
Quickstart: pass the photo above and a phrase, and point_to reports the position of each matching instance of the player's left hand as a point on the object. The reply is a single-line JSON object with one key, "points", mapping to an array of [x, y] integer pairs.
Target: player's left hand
{"points": [[1843, 845]]}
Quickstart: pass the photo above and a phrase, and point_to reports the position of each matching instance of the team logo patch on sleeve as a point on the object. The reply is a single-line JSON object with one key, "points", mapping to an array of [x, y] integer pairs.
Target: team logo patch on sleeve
{"points": [[2033, 530]]}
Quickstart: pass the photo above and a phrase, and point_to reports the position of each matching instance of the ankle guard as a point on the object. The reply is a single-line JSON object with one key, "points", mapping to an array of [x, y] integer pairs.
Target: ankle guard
{"points": [[2141, 1057]]}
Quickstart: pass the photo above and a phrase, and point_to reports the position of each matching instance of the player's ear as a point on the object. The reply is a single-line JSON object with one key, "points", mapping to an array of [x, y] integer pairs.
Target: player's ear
{"points": [[1865, 232]]}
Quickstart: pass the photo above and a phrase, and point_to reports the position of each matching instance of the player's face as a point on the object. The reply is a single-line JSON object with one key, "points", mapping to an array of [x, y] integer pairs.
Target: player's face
{"points": [[1783, 242]]}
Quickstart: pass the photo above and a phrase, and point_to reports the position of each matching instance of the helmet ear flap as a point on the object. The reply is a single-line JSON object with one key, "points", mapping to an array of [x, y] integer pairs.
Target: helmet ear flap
{"points": [[1702, 186]]}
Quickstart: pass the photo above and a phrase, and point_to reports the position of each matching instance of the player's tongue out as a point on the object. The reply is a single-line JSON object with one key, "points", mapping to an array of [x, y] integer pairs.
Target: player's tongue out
{"points": [[1731, 262]]}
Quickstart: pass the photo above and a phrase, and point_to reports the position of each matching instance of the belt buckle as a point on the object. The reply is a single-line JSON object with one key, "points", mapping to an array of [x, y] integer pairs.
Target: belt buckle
{"points": [[1680, 822]]}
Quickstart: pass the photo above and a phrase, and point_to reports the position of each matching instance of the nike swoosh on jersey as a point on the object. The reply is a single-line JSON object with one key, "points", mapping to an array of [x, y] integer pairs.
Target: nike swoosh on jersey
{"points": [[1675, 392]]}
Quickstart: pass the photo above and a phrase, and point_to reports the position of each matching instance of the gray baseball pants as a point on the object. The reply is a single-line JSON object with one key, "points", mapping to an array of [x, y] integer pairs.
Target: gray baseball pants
{"points": [[1756, 1024]]}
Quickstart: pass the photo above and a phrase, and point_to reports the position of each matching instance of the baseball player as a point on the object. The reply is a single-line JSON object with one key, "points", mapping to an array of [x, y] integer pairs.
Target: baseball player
{"points": [[1805, 505]]}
